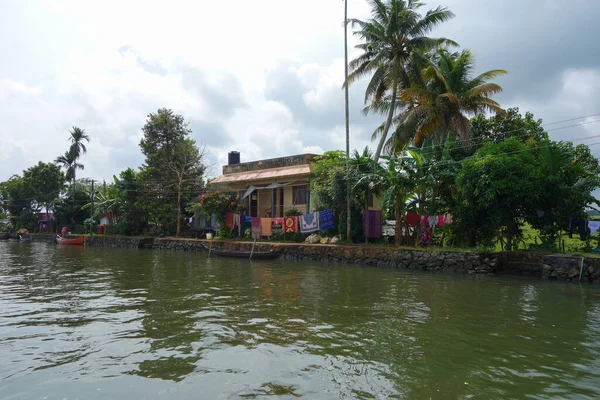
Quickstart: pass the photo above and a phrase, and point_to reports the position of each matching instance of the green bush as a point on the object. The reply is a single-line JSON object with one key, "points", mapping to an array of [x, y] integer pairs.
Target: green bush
{"points": [[292, 212]]}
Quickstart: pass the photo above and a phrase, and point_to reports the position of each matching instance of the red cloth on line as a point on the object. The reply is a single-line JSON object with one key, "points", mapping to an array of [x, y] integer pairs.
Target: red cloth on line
{"points": [[440, 221], [290, 224], [229, 220], [412, 219]]}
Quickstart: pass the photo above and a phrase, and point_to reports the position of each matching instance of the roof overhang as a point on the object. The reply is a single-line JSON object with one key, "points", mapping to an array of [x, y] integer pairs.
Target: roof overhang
{"points": [[264, 175]]}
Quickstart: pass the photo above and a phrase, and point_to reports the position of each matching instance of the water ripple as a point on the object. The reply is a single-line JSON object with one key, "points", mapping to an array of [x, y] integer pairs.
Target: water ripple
{"points": [[104, 323]]}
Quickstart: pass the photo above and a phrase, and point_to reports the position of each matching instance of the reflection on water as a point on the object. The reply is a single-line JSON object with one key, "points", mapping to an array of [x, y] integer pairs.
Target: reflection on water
{"points": [[81, 322]]}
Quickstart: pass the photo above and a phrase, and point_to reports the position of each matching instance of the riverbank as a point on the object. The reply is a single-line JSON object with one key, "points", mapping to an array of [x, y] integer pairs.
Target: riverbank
{"points": [[546, 266]]}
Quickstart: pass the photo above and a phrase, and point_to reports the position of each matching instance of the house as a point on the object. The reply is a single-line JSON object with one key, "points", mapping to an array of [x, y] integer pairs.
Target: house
{"points": [[271, 187]]}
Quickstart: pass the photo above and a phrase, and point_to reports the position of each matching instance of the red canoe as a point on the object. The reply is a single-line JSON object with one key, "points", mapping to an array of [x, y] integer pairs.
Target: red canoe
{"points": [[77, 241]]}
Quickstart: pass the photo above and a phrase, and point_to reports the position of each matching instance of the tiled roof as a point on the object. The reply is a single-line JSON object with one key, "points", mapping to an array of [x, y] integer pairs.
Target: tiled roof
{"points": [[265, 174]]}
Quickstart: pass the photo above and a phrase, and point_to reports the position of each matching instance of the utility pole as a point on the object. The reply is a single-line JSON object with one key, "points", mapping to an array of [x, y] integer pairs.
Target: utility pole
{"points": [[348, 219], [92, 208]]}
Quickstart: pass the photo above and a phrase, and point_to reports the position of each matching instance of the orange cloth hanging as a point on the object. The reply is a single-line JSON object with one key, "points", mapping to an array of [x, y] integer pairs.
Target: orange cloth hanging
{"points": [[266, 225]]}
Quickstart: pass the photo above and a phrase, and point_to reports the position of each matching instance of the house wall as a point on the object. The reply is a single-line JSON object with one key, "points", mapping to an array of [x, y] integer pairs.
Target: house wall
{"points": [[264, 203], [376, 203]]}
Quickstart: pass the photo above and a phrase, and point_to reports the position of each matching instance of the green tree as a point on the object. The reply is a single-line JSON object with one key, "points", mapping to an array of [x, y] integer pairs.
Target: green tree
{"points": [[329, 189], [394, 33], [569, 176], [187, 168], [16, 198], [498, 188], [69, 207], [44, 182], [162, 131], [444, 94], [499, 127], [174, 169]]}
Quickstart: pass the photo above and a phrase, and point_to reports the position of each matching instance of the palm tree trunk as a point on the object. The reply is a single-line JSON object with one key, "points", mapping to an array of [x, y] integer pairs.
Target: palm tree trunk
{"points": [[348, 218], [388, 123]]}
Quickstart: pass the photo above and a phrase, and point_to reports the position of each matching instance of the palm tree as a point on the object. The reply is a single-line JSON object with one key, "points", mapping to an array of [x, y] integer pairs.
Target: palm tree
{"points": [[443, 96], [69, 164], [78, 148], [395, 32]]}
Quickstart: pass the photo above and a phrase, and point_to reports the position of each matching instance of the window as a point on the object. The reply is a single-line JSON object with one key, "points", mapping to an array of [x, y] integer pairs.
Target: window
{"points": [[300, 195]]}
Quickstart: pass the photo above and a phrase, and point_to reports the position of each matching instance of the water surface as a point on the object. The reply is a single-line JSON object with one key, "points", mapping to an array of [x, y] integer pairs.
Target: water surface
{"points": [[93, 323]]}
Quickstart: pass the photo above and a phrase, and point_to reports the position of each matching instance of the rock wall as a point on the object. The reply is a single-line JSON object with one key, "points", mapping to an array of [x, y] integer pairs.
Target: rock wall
{"points": [[547, 266]]}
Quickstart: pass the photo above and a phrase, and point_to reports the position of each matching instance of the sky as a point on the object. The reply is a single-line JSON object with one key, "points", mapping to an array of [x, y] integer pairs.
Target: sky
{"points": [[260, 77]]}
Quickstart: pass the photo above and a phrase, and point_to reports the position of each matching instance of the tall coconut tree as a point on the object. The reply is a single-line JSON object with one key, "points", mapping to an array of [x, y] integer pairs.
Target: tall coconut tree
{"points": [[78, 136], [69, 164], [442, 98], [395, 31]]}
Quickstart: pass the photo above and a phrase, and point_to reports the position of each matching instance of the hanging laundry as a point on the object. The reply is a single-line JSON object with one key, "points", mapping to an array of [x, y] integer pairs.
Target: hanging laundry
{"points": [[432, 220], [580, 226], [412, 219], [440, 221], [426, 237], [277, 221], [326, 219], [191, 219], [309, 222], [214, 222], [594, 227], [256, 228], [248, 219], [447, 219], [290, 224], [372, 221], [236, 222], [266, 226], [229, 220]]}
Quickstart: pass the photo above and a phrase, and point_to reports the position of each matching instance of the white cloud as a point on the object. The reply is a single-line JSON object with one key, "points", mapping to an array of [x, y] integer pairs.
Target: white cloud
{"points": [[261, 77]]}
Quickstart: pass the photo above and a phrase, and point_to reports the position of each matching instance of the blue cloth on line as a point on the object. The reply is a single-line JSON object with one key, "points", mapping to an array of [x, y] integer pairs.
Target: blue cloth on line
{"points": [[309, 222], [326, 219]]}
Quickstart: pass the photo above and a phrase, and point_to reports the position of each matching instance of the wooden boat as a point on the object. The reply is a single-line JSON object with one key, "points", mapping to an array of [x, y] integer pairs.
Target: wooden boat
{"points": [[257, 255], [74, 242]]}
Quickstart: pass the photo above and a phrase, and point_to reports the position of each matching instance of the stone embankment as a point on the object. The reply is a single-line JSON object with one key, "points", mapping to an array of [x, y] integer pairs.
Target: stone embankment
{"points": [[547, 266]]}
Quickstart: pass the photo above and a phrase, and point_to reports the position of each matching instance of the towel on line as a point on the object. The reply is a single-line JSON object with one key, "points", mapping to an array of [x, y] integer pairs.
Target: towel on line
{"points": [[309, 222], [256, 228], [290, 224], [594, 227], [412, 219], [326, 219], [266, 226], [229, 220], [372, 224]]}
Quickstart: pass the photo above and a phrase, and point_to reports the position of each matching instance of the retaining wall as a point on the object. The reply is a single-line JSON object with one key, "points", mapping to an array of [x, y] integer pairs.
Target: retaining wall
{"points": [[547, 266]]}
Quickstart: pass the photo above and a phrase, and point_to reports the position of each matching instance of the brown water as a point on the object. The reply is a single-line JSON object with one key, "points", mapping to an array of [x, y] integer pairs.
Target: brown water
{"points": [[91, 323]]}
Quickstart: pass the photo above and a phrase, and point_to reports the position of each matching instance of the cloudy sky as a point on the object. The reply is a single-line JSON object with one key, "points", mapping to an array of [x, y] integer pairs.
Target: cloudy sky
{"points": [[262, 77]]}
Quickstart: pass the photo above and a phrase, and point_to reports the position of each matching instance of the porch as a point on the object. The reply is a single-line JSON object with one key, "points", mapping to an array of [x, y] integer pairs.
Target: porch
{"points": [[274, 200]]}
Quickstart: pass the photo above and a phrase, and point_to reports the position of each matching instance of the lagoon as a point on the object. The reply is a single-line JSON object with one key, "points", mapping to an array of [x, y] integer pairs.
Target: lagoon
{"points": [[95, 323]]}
